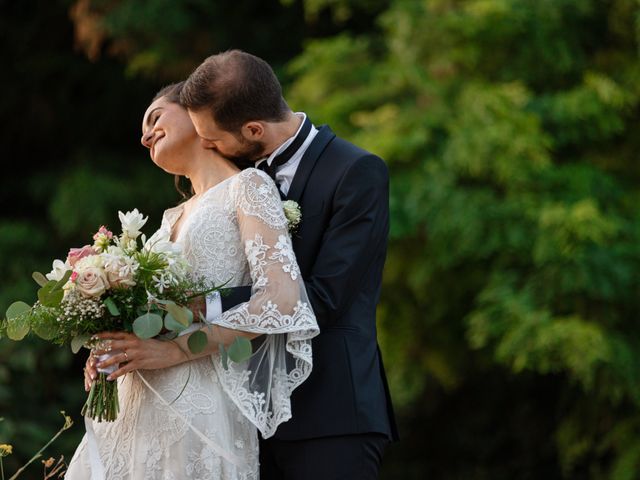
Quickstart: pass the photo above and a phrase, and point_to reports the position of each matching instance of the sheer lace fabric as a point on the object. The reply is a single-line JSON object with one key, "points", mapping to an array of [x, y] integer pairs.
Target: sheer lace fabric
{"points": [[237, 233]]}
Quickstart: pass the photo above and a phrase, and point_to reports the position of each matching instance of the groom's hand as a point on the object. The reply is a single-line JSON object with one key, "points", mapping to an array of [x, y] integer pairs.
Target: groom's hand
{"points": [[198, 307]]}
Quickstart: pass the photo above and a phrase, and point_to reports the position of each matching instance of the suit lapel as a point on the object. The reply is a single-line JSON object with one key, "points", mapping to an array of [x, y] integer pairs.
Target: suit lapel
{"points": [[309, 159]]}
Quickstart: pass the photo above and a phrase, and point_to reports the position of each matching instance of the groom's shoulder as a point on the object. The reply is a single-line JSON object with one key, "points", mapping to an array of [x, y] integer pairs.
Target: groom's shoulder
{"points": [[347, 153]]}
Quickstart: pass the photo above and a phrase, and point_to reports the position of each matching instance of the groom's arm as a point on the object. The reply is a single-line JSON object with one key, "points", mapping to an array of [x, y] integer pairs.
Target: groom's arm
{"points": [[216, 304], [357, 232], [356, 236]]}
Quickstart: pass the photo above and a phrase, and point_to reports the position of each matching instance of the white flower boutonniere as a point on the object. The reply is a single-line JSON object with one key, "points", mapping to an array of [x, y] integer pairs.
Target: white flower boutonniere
{"points": [[293, 213]]}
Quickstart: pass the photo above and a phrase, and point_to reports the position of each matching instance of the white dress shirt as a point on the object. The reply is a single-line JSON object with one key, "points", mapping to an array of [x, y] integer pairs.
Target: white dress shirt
{"points": [[285, 172], [284, 176]]}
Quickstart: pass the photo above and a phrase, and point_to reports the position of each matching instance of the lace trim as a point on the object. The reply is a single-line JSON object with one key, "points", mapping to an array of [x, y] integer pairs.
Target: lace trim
{"points": [[266, 413], [258, 196]]}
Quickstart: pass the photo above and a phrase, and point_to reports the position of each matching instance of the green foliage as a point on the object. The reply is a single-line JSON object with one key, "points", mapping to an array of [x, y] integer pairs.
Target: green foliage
{"points": [[197, 341], [239, 350], [508, 318], [509, 128], [17, 320], [148, 325]]}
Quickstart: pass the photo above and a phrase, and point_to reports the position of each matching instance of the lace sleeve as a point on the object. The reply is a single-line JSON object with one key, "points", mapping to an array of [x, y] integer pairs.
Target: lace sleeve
{"points": [[278, 308]]}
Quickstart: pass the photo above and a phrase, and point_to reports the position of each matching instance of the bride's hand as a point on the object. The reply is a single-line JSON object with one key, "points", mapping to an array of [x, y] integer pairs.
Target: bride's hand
{"points": [[133, 353], [90, 372]]}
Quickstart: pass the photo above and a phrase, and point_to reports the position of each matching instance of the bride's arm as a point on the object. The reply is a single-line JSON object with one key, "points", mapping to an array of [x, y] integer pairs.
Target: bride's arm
{"points": [[153, 354], [278, 302]]}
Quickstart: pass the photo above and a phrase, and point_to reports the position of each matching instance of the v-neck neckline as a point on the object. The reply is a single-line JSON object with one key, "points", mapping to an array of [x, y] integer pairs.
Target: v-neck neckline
{"points": [[179, 209]]}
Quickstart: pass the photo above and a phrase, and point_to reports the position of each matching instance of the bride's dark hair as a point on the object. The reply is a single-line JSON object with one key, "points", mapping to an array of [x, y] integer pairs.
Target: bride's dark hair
{"points": [[172, 94]]}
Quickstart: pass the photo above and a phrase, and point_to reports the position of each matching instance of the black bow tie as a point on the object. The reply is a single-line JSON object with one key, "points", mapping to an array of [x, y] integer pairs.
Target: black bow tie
{"points": [[284, 156]]}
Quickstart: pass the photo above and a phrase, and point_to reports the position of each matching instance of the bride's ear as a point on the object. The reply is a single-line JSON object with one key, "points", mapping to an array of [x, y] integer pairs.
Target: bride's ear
{"points": [[253, 131]]}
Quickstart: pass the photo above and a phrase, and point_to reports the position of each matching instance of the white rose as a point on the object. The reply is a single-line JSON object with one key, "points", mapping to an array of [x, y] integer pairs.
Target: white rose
{"points": [[92, 261], [121, 270], [118, 280], [59, 269], [292, 213], [92, 282], [132, 222]]}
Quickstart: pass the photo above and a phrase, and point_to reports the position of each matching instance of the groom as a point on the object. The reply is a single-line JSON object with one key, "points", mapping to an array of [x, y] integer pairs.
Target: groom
{"points": [[342, 414]]}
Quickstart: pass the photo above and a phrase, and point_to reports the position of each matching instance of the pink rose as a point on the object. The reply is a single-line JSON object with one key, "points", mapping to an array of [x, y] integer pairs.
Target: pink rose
{"points": [[76, 254], [92, 282], [116, 280], [103, 232]]}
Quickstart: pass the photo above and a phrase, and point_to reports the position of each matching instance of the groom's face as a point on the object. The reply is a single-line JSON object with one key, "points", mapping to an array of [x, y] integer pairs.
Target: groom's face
{"points": [[230, 145]]}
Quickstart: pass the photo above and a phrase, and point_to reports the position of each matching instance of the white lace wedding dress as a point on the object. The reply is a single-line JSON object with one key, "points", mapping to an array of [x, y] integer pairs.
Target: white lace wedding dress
{"points": [[237, 232]]}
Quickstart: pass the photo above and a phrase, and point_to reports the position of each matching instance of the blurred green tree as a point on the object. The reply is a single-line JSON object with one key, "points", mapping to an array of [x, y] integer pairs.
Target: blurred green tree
{"points": [[508, 126], [508, 318]]}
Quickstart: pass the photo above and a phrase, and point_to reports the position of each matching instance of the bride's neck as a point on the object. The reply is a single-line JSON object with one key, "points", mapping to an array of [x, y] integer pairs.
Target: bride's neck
{"points": [[208, 169]]}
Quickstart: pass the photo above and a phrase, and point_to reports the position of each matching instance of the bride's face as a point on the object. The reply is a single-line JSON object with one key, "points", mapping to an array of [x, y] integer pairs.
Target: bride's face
{"points": [[169, 135]]}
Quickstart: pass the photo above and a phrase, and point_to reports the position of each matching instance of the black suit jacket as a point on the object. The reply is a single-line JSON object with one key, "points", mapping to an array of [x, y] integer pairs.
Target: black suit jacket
{"points": [[340, 246]]}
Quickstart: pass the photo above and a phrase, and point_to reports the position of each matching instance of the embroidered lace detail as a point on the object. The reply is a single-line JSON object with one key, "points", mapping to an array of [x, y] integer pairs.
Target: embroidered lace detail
{"points": [[257, 195], [285, 255], [237, 232]]}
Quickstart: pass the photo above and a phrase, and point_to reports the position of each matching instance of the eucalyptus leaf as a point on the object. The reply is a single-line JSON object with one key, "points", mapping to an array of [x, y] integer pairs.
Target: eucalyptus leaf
{"points": [[180, 314], [45, 331], [45, 290], [54, 298], [148, 325], [78, 342], [197, 341], [39, 278], [111, 306], [172, 324], [18, 327], [224, 356], [17, 323], [62, 282], [240, 350], [17, 309], [49, 296]]}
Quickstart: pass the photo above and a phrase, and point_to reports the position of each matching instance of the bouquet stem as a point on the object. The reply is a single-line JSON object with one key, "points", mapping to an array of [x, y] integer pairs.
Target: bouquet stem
{"points": [[102, 403]]}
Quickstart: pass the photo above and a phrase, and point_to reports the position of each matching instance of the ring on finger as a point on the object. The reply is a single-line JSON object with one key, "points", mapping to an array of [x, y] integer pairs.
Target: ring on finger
{"points": [[126, 357]]}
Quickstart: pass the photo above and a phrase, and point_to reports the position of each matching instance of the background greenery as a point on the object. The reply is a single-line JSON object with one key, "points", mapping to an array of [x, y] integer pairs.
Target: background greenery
{"points": [[509, 318]]}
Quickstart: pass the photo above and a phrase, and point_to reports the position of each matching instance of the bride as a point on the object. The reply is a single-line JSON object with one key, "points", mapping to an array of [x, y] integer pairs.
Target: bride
{"points": [[189, 416]]}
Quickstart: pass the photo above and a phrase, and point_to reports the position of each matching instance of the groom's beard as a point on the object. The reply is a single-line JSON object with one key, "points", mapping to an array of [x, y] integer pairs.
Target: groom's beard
{"points": [[247, 156]]}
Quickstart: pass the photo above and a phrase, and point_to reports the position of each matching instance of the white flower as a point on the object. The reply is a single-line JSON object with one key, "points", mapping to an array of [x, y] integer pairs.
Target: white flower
{"points": [[132, 222], [59, 269], [166, 247], [120, 269], [92, 261], [151, 298], [293, 213], [163, 281]]}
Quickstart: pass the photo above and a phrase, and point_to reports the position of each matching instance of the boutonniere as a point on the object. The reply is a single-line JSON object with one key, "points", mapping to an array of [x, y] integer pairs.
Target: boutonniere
{"points": [[293, 213]]}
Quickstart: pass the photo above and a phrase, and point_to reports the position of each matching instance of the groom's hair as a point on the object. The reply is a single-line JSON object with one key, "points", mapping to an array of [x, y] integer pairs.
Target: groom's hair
{"points": [[236, 87]]}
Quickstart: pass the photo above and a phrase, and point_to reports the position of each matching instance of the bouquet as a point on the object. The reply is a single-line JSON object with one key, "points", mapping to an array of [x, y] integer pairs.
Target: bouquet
{"points": [[119, 283]]}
